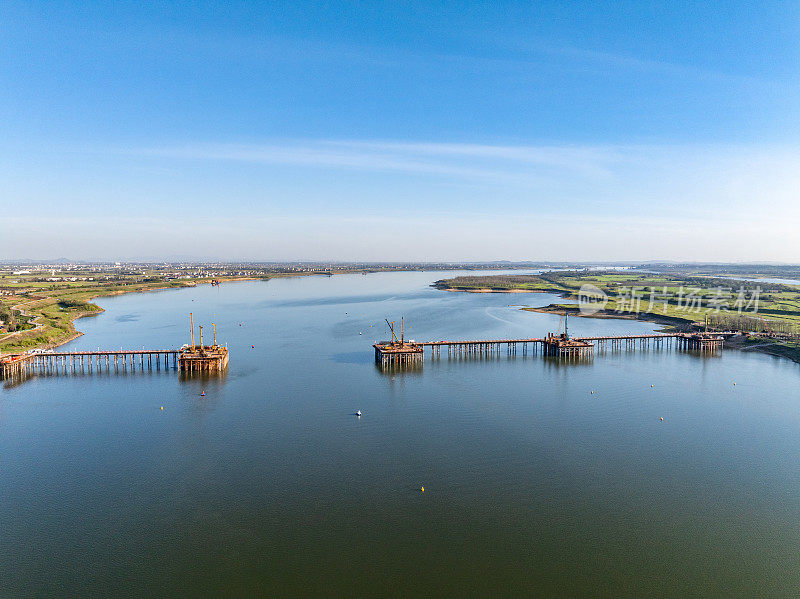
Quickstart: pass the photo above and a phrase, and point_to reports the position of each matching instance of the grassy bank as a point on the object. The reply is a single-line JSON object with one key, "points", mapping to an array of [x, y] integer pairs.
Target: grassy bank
{"points": [[39, 303], [688, 298], [44, 317], [770, 313], [670, 322]]}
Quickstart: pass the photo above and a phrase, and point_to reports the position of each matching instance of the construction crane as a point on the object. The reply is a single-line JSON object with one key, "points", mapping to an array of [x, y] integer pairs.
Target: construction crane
{"points": [[562, 323], [391, 328]]}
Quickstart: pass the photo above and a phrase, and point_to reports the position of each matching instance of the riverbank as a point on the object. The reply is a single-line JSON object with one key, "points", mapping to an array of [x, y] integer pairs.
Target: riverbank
{"points": [[488, 290], [754, 306], [684, 302], [54, 314], [675, 323], [783, 349], [44, 304]]}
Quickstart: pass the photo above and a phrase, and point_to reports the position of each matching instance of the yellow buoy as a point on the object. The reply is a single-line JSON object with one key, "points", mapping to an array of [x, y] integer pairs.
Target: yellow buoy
{"points": [[422, 489], [662, 419], [651, 386], [592, 392], [162, 407]]}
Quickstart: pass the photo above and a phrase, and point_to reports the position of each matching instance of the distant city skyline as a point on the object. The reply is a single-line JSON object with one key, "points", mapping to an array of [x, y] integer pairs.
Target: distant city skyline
{"points": [[401, 132]]}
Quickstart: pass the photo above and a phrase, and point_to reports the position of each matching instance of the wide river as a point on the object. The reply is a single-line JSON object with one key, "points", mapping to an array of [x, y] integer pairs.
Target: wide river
{"points": [[269, 485]]}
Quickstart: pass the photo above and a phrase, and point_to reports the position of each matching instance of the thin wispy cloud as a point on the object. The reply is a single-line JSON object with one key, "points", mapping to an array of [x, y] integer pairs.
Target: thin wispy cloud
{"points": [[643, 65], [484, 162], [737, 176], [503, 125]]}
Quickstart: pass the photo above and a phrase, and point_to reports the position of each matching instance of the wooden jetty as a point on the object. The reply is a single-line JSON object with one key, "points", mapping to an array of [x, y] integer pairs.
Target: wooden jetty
{"points": [[189, 358]]}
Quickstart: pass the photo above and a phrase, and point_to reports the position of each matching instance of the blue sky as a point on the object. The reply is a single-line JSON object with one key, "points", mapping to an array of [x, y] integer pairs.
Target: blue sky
{"points": [[473, 131]]}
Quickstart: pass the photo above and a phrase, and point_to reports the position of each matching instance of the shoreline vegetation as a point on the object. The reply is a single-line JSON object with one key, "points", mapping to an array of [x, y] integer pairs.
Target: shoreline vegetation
{"points": [[39, 312], [46, 317], [683, 302], [39, 304], [674, 323], [54, 316]]}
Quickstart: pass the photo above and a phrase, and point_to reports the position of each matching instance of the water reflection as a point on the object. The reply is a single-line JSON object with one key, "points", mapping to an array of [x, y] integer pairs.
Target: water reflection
{"points": [[415, 368], [268, 484], [203, 376]]}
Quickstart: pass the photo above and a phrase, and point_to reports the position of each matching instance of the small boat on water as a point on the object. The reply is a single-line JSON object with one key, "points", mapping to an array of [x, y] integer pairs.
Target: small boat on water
{"points": [[203, 393], [358, 413]]}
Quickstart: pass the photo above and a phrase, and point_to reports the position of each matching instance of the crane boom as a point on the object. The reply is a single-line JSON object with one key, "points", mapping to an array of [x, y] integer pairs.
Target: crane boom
{"points": [[391, 328]]}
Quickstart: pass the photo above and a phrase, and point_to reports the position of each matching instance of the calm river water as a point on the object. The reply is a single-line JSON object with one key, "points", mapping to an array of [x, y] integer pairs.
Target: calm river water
{"points": [[269, 485]]}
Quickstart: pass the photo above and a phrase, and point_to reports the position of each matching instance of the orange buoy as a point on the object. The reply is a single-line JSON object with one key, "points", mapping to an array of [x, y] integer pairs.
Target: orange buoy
{"points": [[662, 419]]}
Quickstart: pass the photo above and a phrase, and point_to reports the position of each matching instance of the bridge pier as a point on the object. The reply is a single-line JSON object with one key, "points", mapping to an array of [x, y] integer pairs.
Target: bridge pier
{"points": [[54, 363], [612, 343]]}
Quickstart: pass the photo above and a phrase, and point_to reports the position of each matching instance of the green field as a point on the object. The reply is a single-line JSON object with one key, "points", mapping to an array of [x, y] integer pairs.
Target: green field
{"points": [[721, 302], [38, 303], [38, 308]]}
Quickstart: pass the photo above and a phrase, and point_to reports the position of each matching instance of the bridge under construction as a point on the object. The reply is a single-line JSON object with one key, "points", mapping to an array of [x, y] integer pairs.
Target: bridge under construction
{"points": [[399, 352], [189, 358]]}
